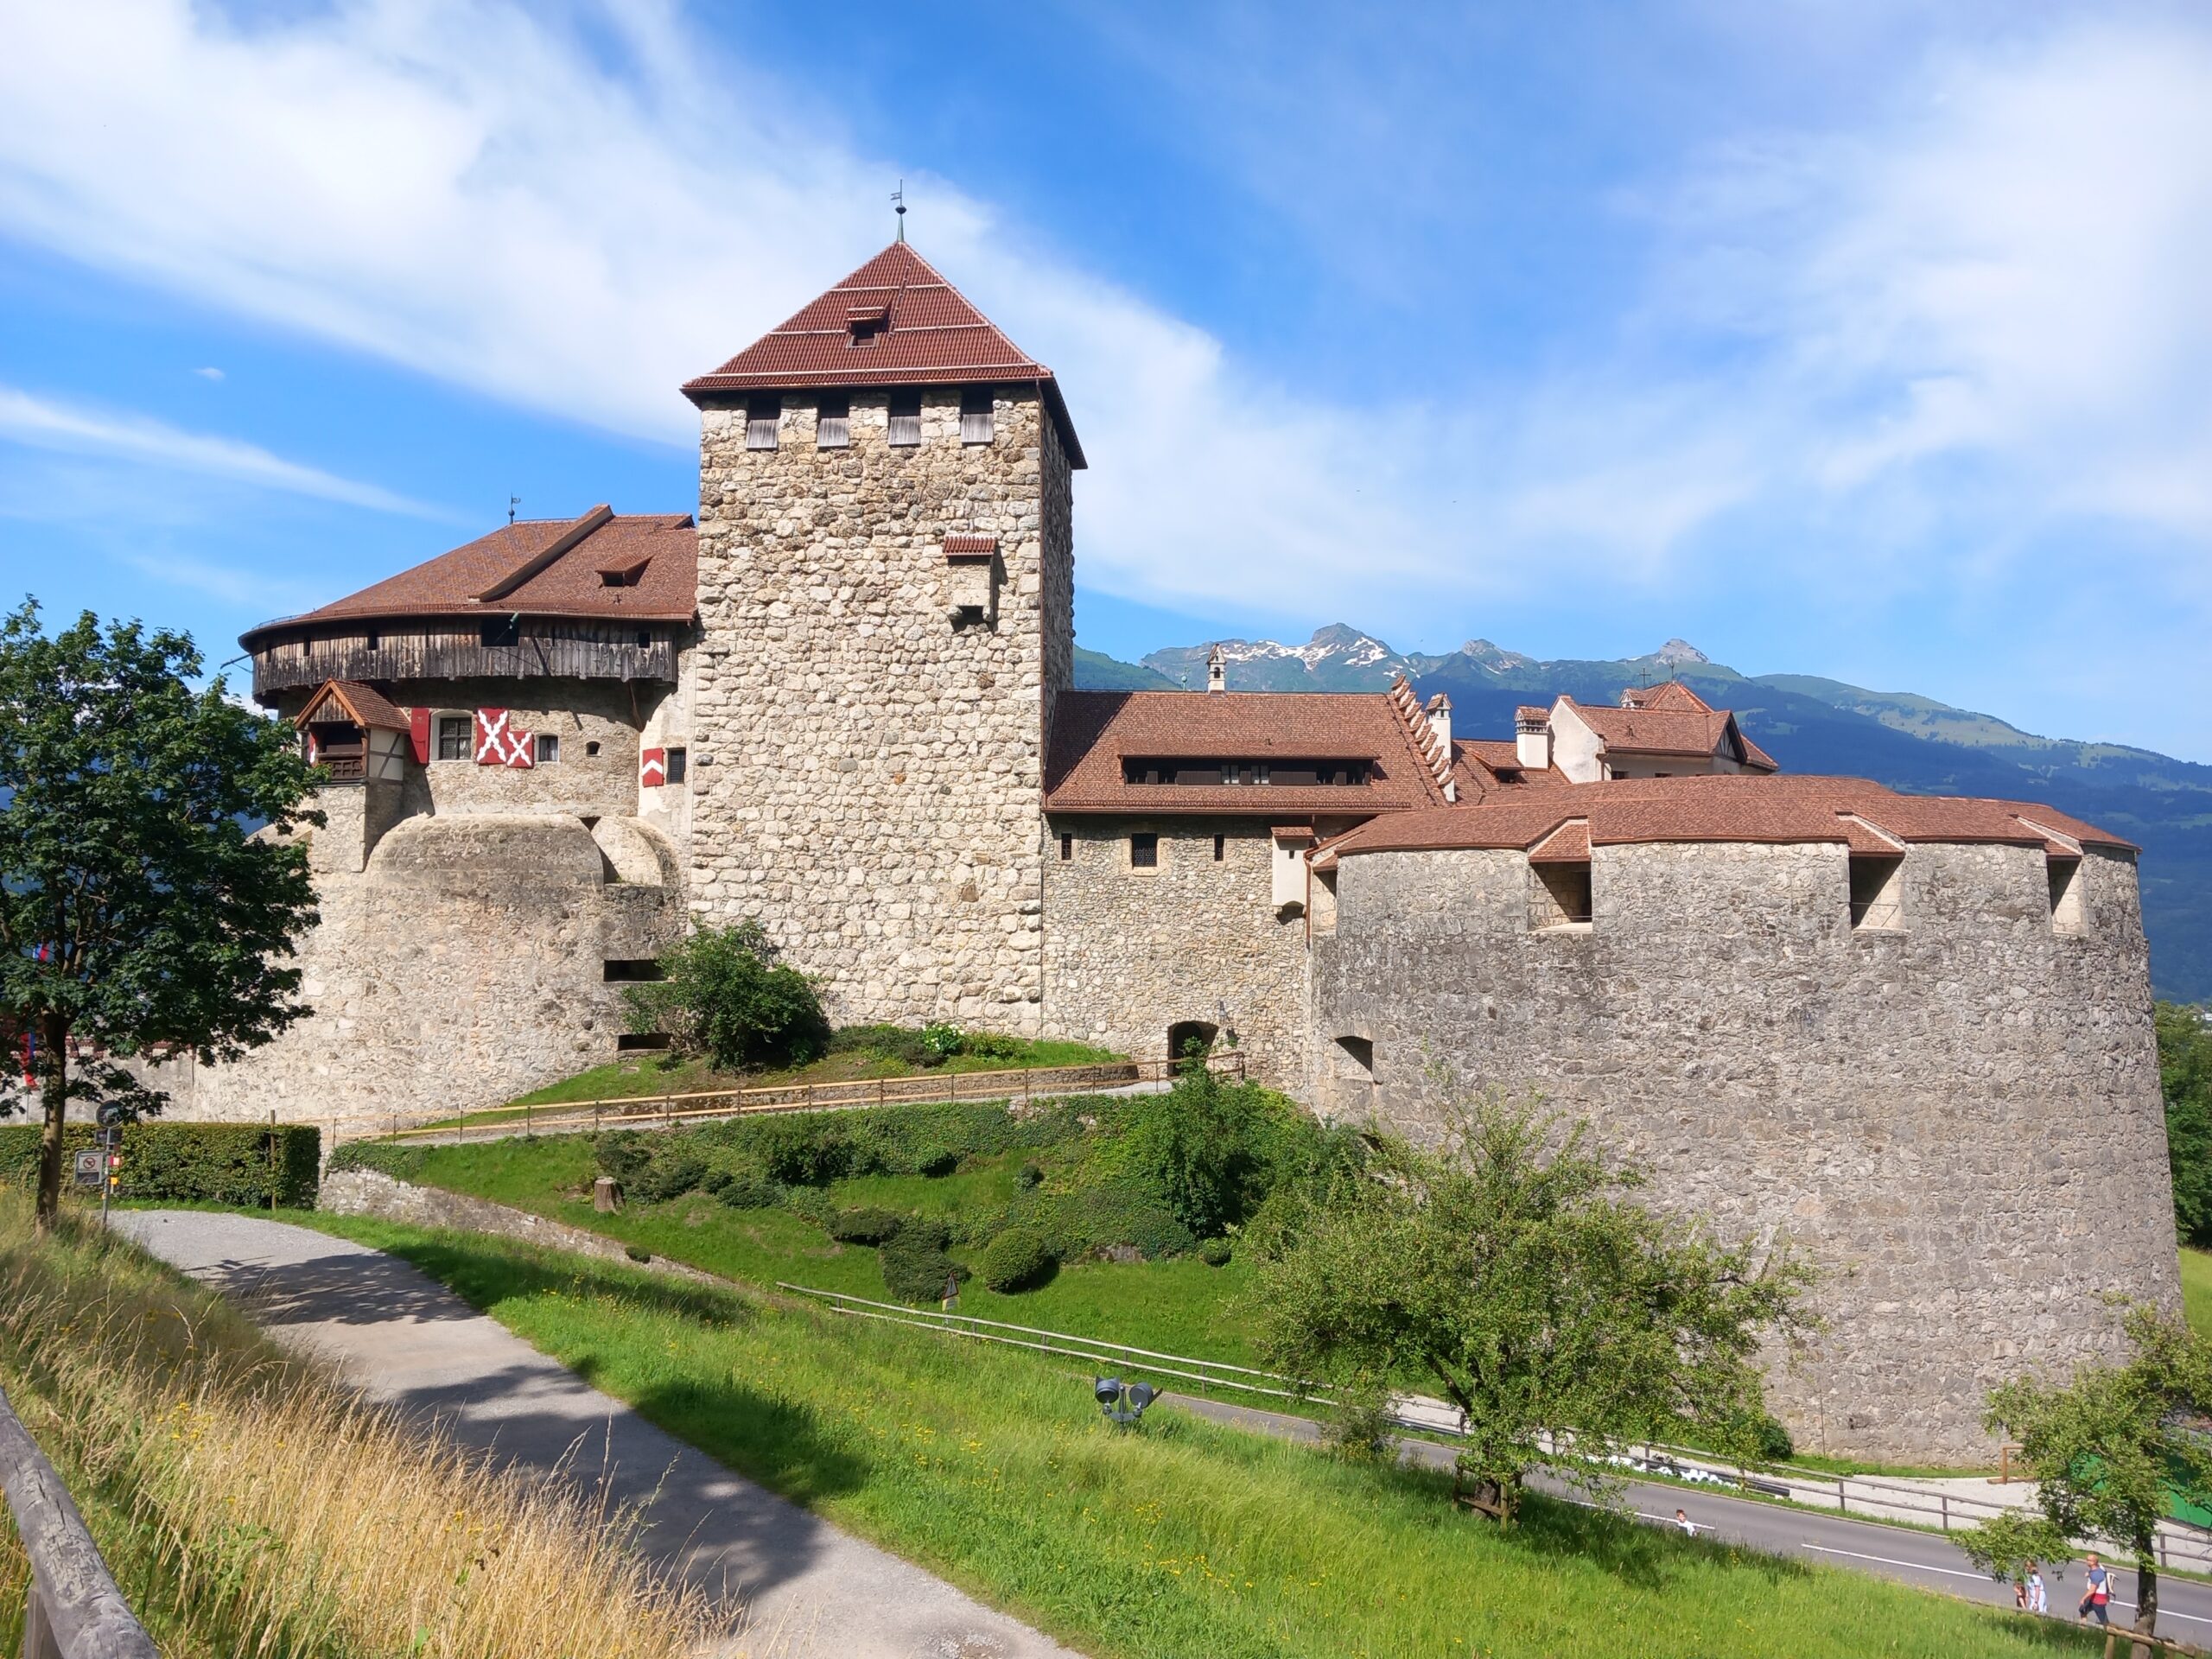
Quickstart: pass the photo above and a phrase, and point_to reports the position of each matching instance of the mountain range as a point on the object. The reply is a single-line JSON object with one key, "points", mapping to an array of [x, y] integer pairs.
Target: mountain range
{"points": [[1808, 723]]}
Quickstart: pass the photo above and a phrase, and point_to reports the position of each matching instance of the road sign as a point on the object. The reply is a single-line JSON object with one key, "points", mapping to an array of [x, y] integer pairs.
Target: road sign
{"points": [[90, 1168], [108, 1112], [112, 1136]]}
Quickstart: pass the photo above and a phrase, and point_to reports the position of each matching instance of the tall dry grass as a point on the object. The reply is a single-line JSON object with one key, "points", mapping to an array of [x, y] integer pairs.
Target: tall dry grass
{"points": [[263, 1510]]}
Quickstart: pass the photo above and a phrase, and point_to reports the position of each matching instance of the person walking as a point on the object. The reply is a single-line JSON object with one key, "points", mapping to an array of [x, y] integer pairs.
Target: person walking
{"points": [[2038, 1593], [2096, 1599], [1683, 1521]]}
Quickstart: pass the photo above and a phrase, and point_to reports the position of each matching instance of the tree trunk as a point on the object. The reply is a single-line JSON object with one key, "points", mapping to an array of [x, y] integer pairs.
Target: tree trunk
{"points": [[54, 1096], [2146, 1597]]}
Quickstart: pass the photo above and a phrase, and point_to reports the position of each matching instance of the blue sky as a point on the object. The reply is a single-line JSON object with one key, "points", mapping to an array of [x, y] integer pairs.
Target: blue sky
{"points": [[1865, 339]]}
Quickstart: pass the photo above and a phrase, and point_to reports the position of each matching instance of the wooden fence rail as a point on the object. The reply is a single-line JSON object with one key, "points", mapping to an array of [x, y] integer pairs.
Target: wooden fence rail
{"points": [[927, 1088], [74, 1611]]}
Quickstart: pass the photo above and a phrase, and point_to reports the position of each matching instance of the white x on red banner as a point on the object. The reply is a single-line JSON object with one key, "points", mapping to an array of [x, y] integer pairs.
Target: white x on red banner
{"points": [[499, 744]]}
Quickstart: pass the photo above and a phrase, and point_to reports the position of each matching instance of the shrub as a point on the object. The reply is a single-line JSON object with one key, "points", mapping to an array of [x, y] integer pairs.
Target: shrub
{"points": [[915, 1266], [1017, 1259], [869, 1226], [669, 1173], [622, 1154], [1095, 1219], [804, 1151], [1215, 1252], [210, 1163], [941, 1041], [745, 1189], [810, 1204], [1030, 1176], [723, 996], [1212, 1152], [990, 1046]]}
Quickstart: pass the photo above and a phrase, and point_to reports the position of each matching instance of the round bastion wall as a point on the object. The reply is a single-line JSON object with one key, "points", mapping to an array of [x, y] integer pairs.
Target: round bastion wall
{"points": [[1957, 1120]]}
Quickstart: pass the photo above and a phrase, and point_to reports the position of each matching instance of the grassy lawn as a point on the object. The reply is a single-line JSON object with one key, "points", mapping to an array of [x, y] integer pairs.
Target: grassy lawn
{"points": [[2197, 1288], [1185, 1538], [1176, 1307]]}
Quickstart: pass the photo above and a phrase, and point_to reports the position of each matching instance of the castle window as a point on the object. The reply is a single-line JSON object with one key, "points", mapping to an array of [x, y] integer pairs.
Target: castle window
{"points": [[545, 749], [591, 749], [630, 1042], [679, 765], [1877, 893], [865, 324], [1067, 849], [1356, 1065], [628, 576], [974, 415], [833, 420], [763, 414], [906, 418], [452, 737], [1220, 848], [372, 642], [2065, 875], [629, 970], [1144, 851], [644, 639], [1559, 894], [504, 631]]}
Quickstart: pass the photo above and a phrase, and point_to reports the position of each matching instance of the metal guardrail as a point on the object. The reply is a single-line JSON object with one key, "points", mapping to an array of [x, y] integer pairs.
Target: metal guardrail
{"points": [[636, 1111], [1876, 1499], [74, 1611]]}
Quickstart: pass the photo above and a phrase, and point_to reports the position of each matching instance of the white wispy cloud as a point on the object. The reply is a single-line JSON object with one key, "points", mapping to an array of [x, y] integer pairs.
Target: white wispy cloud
{"points": [[42, 424]]}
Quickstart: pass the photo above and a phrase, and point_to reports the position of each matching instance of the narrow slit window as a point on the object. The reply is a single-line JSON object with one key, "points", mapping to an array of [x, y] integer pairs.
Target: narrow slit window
{"points": [[1144, 851], [2065, 875], [679, 765], [975, 415], [906, 419], [1067, 850], [1220, 848], [762, 416], [629, 970], [1877, 893], [833, 422]]}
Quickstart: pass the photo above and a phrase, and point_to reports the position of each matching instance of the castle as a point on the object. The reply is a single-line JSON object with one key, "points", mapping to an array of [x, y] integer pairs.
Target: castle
{"points": [[1910, 1036]]}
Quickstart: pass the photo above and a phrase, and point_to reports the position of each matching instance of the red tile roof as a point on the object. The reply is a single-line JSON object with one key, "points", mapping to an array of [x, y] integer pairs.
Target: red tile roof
{"points": [[932, 337], [1670, 731], [540, 567], [1670, 694], [1738, 806], [362, 705], [1093, 732]]}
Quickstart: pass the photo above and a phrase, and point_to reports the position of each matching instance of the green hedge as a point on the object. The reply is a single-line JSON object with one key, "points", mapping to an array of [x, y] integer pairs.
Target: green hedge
{"points": [[210, 1163]]}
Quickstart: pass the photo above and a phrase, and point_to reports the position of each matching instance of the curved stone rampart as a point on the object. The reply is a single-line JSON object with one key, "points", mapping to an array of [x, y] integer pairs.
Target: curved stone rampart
{"points": [[1958, 1120]]}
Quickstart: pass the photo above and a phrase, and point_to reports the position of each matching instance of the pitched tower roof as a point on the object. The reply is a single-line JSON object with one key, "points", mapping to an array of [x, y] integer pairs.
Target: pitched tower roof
{"points": [[894, 322]]}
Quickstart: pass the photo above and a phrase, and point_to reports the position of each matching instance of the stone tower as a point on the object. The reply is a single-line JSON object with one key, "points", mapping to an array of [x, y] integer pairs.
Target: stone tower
{"points": [[886, 615]]}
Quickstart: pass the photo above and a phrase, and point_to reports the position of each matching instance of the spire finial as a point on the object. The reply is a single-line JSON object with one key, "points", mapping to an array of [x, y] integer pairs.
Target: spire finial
{"points": [[899, 206], [513, 501]]}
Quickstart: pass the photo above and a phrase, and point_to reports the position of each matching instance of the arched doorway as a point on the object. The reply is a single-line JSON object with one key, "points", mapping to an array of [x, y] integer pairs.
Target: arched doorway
{"points": [[1185, 1035]]}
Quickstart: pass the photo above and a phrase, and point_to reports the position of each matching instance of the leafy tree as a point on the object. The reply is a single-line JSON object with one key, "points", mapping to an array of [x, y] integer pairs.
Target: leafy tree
{"points": [[1211, 1151], [137, 905], [2185, 1080], [723, 994], [2108, 1450], [1505, 1269]]}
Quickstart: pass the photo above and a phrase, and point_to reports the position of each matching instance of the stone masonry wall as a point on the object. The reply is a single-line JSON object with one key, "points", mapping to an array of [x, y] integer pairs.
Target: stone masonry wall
{"points": [[1130, 952], [867, 769], [462, 968], [1958, 1121]]}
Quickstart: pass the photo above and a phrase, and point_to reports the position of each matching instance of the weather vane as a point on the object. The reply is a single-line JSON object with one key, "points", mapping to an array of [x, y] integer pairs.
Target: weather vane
{"points": [[513, 501], [899, 206]]}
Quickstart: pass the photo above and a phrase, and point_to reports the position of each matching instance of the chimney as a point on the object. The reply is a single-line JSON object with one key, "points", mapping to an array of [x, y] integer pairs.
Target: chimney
{"points": [[1217, 671], [1532, 738], [1439, 724]]}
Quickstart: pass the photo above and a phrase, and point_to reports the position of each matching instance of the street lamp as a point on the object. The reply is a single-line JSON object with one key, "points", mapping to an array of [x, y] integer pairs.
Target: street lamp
{"points": [[1123, 1404]]}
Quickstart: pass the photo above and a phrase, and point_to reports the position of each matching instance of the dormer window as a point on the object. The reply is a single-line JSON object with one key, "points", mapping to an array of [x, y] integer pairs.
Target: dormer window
{"points": [[865, 324], [762, 416], [624, 575], [2064, 877], [975, 415], [906, 418], [833, 420]]}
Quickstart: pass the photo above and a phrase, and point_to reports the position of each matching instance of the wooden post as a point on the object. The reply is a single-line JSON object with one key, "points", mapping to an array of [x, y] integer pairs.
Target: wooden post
{"points": [[1944, 1498]]}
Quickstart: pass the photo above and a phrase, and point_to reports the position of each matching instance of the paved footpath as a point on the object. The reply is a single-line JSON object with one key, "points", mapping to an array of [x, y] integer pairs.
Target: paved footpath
{"points": [[399, 1335]]}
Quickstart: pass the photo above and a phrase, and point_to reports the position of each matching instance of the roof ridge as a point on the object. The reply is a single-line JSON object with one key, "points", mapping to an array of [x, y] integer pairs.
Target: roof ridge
{"points": [[578, 532]]}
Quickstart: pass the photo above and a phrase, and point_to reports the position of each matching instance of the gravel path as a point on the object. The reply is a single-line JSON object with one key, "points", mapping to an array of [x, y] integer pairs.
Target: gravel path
{"points": [[397, 1334]]}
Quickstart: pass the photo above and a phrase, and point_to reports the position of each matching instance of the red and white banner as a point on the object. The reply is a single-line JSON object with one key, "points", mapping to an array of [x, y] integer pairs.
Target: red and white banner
{"points": [[419, 734], [652, 768], [499, 744]]}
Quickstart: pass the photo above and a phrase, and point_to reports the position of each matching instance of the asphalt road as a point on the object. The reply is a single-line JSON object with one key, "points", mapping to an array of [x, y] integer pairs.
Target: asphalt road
{"points": [[1904, 1553]]}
